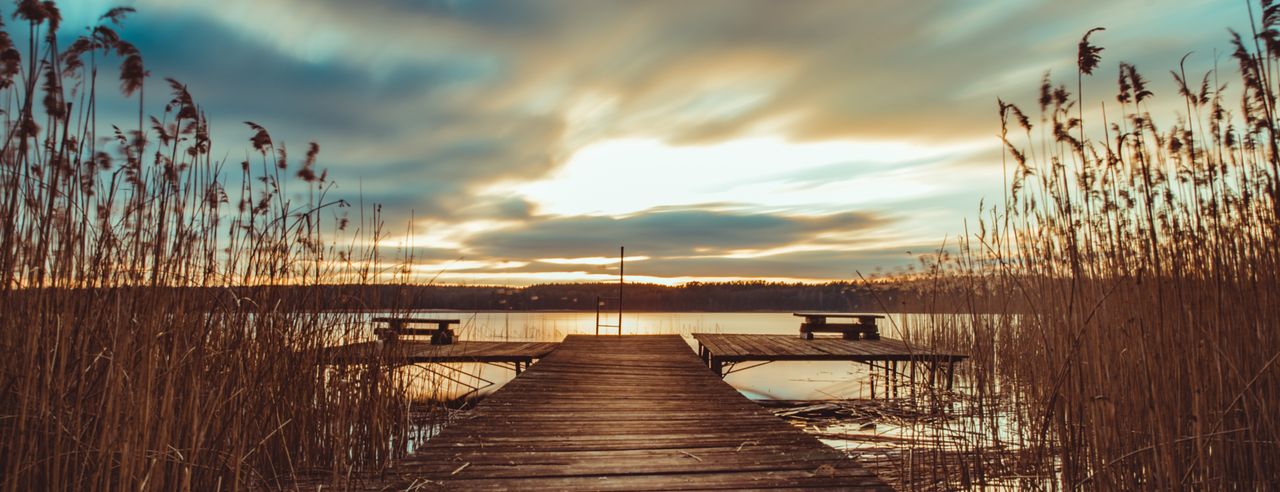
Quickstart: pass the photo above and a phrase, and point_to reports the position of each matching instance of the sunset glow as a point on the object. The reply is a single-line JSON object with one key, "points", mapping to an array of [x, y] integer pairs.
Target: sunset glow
{"points": [[515, 142]]}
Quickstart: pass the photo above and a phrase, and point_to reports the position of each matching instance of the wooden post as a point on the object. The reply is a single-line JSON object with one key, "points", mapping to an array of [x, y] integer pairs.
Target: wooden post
{"points": [[894, 378], [393, 330], [888, 381], [951, 369], [872, 372], [911, 376], [717, 366]]}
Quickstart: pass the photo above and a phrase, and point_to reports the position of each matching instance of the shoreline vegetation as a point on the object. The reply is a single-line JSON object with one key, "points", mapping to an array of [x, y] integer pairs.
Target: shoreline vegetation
{"points": [[700, 297], [114, 378], [160, 308], [1145, 257]]}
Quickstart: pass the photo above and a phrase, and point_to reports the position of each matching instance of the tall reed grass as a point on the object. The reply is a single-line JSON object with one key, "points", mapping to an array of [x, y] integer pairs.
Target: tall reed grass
{"points": [[112, 377], [1121, 304]]}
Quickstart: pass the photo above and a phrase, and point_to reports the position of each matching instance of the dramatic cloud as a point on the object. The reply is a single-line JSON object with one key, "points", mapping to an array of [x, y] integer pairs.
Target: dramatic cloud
{"points": [[689, 131], [826, 265], [661, 233]]}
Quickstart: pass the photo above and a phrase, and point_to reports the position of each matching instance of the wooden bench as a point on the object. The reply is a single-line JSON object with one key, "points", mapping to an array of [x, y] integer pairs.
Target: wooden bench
{"points": [[442, 334], [864, 326]]}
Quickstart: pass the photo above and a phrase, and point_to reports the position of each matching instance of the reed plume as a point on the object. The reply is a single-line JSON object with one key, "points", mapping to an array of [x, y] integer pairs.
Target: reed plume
{"points": [[1121, 303], [150, 341]]}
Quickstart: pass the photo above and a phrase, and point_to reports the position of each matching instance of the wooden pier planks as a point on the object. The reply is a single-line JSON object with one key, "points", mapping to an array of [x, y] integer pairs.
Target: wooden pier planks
{"points": [[745, 347], [414, 352], [624, 413]]}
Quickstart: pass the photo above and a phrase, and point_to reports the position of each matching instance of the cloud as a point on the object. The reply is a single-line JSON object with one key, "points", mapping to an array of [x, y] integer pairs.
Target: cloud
{"points": [[713, 70], [819, 265], [660, 233], [402, 136], [811, 265], [459, 79], [429, 106]]}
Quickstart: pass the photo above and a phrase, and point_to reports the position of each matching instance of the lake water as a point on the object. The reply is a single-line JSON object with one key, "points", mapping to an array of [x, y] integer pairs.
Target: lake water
{"points": [[777, 380], [808, 380]]}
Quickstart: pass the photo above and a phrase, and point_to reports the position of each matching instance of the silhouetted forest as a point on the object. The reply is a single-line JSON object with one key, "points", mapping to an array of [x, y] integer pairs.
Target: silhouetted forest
{"points": [[696, 296]]}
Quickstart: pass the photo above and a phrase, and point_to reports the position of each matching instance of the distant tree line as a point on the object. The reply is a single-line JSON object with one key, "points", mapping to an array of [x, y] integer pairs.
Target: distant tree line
{"points": [[743, 296], [694, 296]]}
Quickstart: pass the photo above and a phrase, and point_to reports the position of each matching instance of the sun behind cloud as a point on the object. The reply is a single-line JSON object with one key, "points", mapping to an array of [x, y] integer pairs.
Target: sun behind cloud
{"points": [[660, 125]]}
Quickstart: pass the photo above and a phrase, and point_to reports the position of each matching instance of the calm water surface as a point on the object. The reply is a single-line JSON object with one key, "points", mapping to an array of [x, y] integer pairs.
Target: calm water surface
{"points": [[816, 380], [778, 380]]}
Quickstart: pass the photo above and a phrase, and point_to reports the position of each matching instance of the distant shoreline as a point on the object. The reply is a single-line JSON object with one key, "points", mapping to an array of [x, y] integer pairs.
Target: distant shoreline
{"points": [[603, 312]]}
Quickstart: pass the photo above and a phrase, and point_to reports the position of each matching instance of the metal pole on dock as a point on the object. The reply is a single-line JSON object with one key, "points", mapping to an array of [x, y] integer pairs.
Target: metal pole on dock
{"points": [[622, 275]]}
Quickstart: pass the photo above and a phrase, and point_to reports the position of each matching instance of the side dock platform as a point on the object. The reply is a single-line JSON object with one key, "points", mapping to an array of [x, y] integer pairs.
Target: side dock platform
{"points": [[722, 352]]}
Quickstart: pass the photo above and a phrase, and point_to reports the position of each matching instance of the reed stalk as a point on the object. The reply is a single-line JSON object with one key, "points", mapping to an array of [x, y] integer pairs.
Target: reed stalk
{"points": [[142, 347], [1121, 305]]}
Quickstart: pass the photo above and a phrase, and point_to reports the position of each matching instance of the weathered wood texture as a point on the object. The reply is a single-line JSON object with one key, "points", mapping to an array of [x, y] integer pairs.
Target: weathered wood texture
{"points": [[418, 352], [836, 314], [740, 348], [624, 413], [415, 321]]}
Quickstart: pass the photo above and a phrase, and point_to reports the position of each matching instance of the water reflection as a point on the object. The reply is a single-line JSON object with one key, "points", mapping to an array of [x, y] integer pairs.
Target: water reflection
{"points": [[776, 381], [881, 433]]}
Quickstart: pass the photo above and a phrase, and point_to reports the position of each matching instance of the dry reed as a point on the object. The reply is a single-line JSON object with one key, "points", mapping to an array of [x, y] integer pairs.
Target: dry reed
{"points": [[1121, 304], [116, 373]]}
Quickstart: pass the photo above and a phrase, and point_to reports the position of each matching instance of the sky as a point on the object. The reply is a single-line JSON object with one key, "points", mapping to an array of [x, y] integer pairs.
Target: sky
{"points": [[524, 141]]}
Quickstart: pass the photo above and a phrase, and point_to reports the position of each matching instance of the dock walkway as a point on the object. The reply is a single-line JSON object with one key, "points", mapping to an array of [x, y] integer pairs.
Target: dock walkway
{"points": [[624, 413]]}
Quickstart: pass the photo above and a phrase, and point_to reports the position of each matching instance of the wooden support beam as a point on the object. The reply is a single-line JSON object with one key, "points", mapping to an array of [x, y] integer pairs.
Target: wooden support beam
{"points": [[911, 377], [872, 373], [951, 372], [893, 378]]}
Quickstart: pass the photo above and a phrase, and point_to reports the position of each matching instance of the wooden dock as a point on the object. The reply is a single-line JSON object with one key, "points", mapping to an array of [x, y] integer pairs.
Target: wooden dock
{"points": [[623, 413], [720, 349], [422, 352]]}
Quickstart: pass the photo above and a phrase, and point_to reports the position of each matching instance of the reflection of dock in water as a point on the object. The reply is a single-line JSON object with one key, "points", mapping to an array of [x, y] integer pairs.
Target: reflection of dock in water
{"points": [[623, 413]]}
